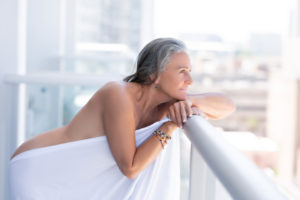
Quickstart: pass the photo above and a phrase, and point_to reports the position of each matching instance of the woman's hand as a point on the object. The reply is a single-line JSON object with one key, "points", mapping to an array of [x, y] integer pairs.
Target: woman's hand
{"points": [[179, 111]]}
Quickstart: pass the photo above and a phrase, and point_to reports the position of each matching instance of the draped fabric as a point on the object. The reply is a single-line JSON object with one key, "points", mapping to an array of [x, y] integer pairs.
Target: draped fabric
{"points": [[86, 169]]}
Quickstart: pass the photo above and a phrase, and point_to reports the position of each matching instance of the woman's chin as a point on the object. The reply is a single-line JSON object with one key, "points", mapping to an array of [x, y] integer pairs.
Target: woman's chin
{"points": [[181, 97]]}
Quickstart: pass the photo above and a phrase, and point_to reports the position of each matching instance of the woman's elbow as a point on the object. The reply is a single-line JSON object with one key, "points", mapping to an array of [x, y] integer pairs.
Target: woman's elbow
{"points": [[129, 172], [225, 111], [229, 109], [131, 176]]}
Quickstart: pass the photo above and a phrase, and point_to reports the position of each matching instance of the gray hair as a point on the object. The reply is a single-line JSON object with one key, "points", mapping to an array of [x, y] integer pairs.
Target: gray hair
{"points": [[153, 59]]}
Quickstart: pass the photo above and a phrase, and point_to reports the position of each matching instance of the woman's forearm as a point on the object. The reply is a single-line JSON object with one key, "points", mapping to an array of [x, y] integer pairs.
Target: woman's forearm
{"points": [[149, 150], [214, 105]]}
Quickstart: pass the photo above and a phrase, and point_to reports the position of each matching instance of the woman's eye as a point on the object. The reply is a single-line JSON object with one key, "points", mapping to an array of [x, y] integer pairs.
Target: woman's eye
{"points": [[185, 71]]}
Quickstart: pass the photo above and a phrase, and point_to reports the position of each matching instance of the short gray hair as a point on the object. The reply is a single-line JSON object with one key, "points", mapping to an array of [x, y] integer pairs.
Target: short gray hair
{"points": [[153, 59]]}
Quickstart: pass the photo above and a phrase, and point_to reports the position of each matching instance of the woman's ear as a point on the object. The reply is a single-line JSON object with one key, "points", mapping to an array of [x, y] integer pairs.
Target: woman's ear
{"points": [[154, 78], [157, 79]]}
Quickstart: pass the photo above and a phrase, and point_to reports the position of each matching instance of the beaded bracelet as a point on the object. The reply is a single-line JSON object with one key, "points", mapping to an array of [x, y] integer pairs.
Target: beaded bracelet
{"points": [[162, 135], [163, 138], [161, 141]]}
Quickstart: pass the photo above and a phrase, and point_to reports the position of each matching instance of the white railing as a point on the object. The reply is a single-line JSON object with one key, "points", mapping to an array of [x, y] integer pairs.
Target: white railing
{"points": [[52, 78], [241, 177]]}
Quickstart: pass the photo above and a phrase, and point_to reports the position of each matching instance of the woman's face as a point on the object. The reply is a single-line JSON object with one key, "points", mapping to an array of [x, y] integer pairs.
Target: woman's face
{"points": [[176, 78]]}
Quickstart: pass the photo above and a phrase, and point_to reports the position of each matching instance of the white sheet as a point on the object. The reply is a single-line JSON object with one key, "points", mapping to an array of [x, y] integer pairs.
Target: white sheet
{"points": [[86, 170]]}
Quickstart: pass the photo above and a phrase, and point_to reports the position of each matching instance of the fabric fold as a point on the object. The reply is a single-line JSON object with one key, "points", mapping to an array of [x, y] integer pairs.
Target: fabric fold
{"points": [[86, 169]]}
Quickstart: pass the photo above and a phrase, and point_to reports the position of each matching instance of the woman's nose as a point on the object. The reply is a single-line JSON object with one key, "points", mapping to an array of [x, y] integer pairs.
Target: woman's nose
{"points": [[189, 79]]}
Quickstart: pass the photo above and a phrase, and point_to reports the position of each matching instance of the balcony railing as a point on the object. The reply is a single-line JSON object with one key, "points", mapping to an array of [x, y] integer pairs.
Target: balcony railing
{"points": [[241, 177]]}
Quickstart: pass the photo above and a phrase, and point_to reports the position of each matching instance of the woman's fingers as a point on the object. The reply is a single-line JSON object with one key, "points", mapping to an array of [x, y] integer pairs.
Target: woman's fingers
{"points": [[188, 108], [175, 114], [183, 111], [172, 114], [178, 114]]}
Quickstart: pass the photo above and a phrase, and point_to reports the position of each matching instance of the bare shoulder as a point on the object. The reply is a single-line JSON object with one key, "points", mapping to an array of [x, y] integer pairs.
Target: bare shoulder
{"points": [[115, 93], [109, 94], [113, 86], [118, 102]]}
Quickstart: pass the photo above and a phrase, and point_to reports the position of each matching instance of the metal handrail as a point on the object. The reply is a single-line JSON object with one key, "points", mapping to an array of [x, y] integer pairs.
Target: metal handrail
{"points": [[241, 177], [59, 78]]}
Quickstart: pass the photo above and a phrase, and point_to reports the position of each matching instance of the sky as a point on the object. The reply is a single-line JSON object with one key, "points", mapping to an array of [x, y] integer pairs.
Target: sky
{"points": [[233, 20]]}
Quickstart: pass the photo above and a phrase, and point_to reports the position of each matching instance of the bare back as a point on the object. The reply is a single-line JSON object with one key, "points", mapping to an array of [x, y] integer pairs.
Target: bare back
{"points": [[88, 122]]}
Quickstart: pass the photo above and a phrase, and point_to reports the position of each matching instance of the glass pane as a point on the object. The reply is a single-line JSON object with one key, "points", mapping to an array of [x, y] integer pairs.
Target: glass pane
{"points": [[107, 37], [49, 107]]}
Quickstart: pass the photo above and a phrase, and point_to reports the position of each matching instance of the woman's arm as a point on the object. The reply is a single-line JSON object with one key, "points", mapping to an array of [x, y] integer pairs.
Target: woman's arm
{"points": [[214, 105], [119, 126]]}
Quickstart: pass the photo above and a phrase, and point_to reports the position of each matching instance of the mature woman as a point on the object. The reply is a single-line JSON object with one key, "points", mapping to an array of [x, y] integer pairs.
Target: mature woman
{"points": [[121, 144]]}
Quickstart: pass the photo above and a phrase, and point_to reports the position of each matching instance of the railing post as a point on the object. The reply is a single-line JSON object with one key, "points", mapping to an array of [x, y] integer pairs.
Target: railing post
{"points": [[202, 181]]}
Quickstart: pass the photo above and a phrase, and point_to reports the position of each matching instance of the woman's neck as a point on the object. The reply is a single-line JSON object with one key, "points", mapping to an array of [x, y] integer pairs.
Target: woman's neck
{"points": [[148, 98]]}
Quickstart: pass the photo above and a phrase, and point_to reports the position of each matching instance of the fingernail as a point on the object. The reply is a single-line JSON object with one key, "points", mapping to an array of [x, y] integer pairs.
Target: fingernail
{"points": [[184, 120]]}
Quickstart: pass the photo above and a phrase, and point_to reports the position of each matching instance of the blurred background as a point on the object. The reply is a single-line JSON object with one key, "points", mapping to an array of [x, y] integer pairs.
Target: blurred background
{"points": [[248, 50]]}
